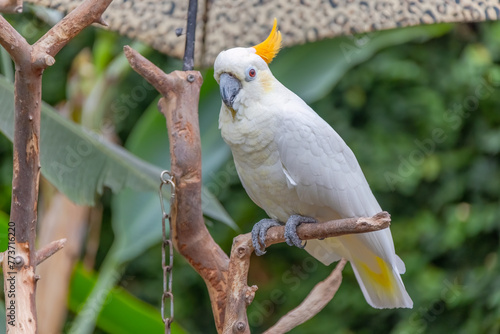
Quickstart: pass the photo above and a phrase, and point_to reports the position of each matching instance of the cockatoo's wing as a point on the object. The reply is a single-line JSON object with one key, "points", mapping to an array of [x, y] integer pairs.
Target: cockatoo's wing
{"points": [[330, 184], [320, 166]]}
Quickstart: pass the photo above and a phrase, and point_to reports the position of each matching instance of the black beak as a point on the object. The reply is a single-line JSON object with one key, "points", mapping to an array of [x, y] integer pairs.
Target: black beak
{"points": [[229, 88]]}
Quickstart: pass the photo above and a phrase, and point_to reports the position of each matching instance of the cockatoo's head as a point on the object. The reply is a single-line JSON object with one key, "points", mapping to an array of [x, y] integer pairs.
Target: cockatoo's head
{"points": [[243, 73]]}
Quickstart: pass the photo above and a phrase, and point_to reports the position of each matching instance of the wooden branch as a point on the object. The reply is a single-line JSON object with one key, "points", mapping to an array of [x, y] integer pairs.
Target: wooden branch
{"points": [[163, 83], [190, 235], [11, 6], [23, 213], [19, 269], [191, 238], [333, 228], [49, 250], [315, 301], [58, 36], [240, 295]]}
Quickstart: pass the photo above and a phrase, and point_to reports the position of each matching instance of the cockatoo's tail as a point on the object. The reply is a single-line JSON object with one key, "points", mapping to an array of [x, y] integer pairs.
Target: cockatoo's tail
{"points": [[293, 164]]}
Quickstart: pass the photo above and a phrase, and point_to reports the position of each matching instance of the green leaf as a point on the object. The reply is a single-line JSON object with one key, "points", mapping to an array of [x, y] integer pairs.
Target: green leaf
{"points": [[4, 227], [80, 163], [136, 222], [7, 68], [104, 46], [324, 63], [122, 313], [3, 319], [77, 161]]}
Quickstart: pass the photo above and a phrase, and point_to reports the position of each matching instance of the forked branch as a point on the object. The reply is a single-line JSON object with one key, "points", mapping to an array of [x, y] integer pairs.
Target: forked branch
{"points": [[190, 236], [240, 295], [13, 42], [85, 14]]}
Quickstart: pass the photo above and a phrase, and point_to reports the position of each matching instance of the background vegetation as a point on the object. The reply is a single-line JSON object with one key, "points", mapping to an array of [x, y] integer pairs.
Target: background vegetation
{"points": [[420, 109]]}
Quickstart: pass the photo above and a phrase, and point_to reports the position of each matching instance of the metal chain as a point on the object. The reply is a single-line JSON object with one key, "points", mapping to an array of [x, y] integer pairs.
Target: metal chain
{"points": [[167, 178]]}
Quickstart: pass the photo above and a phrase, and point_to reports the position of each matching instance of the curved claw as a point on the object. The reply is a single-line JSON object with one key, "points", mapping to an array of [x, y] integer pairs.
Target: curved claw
{"points": [[291, 237], [259, 231]]}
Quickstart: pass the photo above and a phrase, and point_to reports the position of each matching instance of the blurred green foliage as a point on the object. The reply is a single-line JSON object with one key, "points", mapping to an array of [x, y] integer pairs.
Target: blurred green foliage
{"points": [[121, 313], [419, 108]]}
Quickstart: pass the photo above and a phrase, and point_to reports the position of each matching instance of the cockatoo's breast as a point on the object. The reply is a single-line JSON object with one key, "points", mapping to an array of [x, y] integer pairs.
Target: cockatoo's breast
{"points": [[251, 139], [251, 135]]}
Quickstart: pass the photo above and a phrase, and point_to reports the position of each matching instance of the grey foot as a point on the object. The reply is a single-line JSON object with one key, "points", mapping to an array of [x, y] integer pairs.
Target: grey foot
{"points": [[259, 235], [291, 237]]}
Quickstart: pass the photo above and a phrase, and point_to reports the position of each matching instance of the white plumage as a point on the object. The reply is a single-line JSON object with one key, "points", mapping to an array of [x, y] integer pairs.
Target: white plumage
{"points": [[291, 162]]}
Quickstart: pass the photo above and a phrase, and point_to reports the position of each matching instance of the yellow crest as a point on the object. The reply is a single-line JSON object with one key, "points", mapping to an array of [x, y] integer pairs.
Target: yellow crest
{"points": [[268, 49]]}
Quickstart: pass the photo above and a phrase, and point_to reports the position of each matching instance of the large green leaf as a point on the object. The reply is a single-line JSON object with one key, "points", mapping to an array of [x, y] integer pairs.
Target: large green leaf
{"points": [[77, 161], [121, 313], [80, 163], [7, 68]]}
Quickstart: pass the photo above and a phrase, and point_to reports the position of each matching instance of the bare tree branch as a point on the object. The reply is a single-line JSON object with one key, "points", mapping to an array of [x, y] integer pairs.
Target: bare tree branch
{"points": [[23, 211], [19, 269], [190, 235], [191, 238], [315, 301], [49, 250], [240, 295], [163, 83], [333, 228], [65, 30]]}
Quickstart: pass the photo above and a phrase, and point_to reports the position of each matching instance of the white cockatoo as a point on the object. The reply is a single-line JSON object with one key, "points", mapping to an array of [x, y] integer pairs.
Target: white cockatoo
{"points": [[298, 169]]}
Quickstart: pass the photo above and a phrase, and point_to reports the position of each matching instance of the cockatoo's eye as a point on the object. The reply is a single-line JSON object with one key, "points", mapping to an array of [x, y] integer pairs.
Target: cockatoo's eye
{"points": [[250, 73]]}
